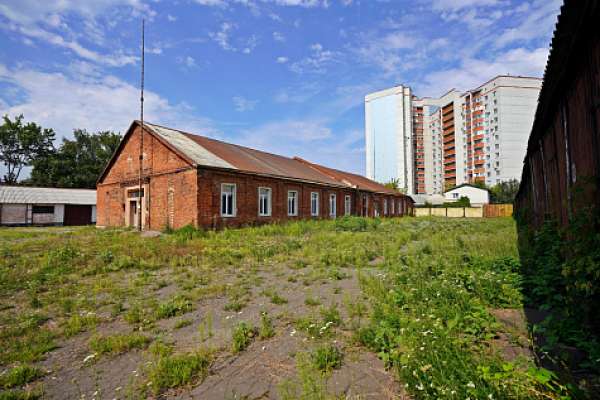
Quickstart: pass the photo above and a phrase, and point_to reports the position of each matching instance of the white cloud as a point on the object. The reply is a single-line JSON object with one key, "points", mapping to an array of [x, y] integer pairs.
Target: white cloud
{"points": [[278, 37], [94, 102], [282, 60], [250, 44], [473, 72], [43, 21], [242, 104], [223, 36], [317, 62], [310, 139], [171, 18], [454, 5], [387, 51], [188, 61], [538, 22]]}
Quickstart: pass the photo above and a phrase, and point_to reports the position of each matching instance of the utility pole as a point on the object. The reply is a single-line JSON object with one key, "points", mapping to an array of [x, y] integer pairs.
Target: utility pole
{"points": [[141, 180]]}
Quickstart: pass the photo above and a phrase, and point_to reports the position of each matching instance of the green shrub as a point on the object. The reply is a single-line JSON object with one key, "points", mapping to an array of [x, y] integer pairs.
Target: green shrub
{"points": [[266, 330]]}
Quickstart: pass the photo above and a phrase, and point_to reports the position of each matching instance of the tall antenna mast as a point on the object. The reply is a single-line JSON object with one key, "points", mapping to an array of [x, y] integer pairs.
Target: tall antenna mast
{"points": [[140, 189]]}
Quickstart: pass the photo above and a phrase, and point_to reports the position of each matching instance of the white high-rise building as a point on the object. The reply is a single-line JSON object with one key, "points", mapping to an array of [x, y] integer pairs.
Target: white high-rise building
{"points": [[478, 135], [388, 135]]}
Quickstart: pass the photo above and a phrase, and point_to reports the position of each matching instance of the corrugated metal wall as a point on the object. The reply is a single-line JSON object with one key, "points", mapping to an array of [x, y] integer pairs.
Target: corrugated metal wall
{"points": [[562, 166]]}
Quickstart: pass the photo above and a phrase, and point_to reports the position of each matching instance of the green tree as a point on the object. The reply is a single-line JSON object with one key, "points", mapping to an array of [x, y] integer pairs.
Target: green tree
{"points": [[394, 184], [77, 163], [504, 192], [21, 144]]}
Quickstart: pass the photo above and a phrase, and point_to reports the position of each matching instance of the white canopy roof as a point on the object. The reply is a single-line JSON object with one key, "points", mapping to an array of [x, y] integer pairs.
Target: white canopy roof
{"points": [[36, 195]]}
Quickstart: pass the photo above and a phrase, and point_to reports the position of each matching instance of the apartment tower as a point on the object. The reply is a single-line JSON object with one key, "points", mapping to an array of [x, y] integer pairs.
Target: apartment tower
{"points": [[475, 136], [389, 136]]}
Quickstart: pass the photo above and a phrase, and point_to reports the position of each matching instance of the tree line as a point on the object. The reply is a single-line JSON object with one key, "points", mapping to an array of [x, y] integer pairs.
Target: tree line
{"points": [[75, 163]]}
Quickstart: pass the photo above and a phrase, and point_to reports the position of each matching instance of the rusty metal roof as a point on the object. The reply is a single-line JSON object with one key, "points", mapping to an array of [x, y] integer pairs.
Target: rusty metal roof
{"points": [[352, 180], [208, 152], [215, 153]]}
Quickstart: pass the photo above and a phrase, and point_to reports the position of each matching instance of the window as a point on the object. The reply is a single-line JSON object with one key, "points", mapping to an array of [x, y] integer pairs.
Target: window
{"points": [[365, 206], [347, 205], [314, 204], [385, 207], [392, 204], [332, 205], [228, 200], [455, 195], [264, 202], [42, 210], [292, 203], [398, 207]]}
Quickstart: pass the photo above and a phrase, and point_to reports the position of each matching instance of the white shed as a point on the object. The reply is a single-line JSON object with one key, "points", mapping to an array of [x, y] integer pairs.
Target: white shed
{"points": [[477, 196], [23, 205]]}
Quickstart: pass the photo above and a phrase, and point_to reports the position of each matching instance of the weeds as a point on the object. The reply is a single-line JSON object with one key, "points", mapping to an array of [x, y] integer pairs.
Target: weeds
{"points": [[171, 371], [326, 358], [19, 375], [266, 329], [116, 344], [242, 336]]}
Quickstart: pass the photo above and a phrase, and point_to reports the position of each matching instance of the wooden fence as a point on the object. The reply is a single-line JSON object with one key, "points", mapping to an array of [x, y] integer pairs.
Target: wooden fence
{"points": [[497, 210]]}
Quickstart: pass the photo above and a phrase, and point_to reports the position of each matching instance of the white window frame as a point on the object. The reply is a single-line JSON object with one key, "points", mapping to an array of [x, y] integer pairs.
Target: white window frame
{"points": [[385, 207], [347, 204], [314, 196], [399, 207], [332, 205], [392, 207], [233, 200], [294, 212], [269, 201]]}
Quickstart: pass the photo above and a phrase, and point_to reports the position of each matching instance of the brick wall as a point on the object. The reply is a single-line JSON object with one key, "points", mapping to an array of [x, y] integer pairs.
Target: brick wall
{"points": [[209, 196], [179, 194], [164, 172]]}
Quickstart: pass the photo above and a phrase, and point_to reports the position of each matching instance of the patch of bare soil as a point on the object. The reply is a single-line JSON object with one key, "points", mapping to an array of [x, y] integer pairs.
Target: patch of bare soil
{"points": [[255, 373]]}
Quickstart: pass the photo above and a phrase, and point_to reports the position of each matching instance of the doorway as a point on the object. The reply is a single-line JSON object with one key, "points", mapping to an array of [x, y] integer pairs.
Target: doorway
{"points": [[135, 204]]}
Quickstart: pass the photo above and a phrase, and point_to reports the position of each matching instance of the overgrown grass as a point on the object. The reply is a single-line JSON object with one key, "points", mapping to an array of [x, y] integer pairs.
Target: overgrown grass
{"points": [[171, 371], [120, 343], [19, 375], [428, 288]]}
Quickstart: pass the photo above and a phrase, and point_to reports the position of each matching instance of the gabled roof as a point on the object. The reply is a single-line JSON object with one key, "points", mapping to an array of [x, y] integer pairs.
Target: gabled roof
{"points": [[39, 195], [201, 151], [466, 184]]}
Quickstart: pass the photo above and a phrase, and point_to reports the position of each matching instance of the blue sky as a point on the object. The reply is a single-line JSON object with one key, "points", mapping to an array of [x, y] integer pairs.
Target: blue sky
{"points": [[286, 76]]}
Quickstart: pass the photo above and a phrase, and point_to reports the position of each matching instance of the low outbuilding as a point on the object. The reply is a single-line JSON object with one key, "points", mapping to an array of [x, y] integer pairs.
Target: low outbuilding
{"points": [[476, 195], [24, 205]]}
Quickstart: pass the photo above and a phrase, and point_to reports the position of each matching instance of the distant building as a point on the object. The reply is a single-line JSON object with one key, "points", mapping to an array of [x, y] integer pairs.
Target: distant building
{"points": [[22, 205], [476, 136], [388, 130], [477, 196], [194, 180]]}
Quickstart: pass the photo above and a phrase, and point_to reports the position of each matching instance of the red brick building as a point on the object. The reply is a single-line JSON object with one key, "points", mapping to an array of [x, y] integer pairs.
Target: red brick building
{"points": [[190, 179]]}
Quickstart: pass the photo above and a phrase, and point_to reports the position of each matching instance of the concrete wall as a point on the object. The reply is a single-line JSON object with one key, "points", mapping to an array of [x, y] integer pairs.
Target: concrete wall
{"points": [[450, 212]]}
